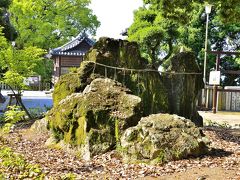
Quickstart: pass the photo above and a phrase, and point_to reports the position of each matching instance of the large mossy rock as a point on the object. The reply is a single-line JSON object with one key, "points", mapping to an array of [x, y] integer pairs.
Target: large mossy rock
{"points": [[113, 89], [122, 54], [160, 138], [166, 93], [72, 82], [94, 120], [183, 89]]}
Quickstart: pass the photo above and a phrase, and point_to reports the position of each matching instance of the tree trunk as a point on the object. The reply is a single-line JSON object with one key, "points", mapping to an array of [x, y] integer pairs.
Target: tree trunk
{"points": [[170, 50], [19, 101]]}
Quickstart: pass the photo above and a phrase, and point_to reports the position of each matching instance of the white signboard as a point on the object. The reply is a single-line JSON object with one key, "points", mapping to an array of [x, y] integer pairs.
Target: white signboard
{"points": [[214, 78], [33, 80]]}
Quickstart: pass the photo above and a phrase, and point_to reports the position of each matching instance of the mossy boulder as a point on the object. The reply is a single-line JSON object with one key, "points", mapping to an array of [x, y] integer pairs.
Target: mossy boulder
{"points": [[116, 53], [165, 93], [126, 55], [183, 89], [72, 82], [93, 121], [159, 138]]}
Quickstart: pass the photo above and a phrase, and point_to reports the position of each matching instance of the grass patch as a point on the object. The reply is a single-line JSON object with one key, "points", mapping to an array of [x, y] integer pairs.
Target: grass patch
{"points": [[209, 122]]}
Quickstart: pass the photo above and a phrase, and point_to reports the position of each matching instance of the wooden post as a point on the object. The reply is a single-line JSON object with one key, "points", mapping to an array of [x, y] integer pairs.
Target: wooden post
{"points": [[207, 97], [214, 109]]}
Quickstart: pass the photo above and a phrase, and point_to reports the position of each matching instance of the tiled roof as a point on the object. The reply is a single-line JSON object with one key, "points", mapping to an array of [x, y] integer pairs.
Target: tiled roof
{"points": [[68, 48]]}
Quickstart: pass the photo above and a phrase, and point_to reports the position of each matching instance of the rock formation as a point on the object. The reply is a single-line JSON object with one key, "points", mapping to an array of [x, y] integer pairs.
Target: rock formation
{"points": [[183, 89], [94, 120], [113, 89], [160, 138], [166, 93], [117, 53]]}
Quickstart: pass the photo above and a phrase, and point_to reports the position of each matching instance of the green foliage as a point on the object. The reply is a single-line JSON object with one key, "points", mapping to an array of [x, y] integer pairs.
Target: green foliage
{"points": [[117, 135], [69, 176], [17, 64], [14, 114], [221, 36], [16, 164], [154, 33], [14, 79], [44, 68], [5, 129], [3, 46], [51, 23], [8, 29], [162, 27], [228, 10], [73, 70], [3, 40]]}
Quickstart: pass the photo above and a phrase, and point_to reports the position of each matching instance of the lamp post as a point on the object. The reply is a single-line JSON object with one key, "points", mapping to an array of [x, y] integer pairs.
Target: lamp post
{"points": [[13, 44], [208, 8]]}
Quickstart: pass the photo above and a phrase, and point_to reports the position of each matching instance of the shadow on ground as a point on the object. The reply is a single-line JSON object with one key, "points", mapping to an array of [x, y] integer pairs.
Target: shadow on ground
{"points": [[230, 135]]}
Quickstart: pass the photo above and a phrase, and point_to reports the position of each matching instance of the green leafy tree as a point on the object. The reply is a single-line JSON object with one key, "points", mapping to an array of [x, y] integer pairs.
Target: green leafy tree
{"points": [[50, 23], [8, 29], [156, 27], [162, 27], [3, 46], [154, 34], [18, 64], [222, 37]]}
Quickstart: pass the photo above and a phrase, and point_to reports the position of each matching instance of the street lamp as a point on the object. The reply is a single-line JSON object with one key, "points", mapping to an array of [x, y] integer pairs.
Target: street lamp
{"points": [[13, 44], [208, 8]]}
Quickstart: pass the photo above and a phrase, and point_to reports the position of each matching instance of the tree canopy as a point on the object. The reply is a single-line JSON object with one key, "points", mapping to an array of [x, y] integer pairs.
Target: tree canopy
{"points": [[8, 29], [50, 23], [162, 27], [17, 64]]}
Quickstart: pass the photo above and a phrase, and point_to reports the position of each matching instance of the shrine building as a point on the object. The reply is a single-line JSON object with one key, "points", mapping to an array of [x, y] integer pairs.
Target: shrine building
{"points": [[70, 55]]}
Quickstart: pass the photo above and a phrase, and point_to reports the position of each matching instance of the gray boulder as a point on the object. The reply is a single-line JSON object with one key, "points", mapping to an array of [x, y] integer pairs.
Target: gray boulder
{"points": [[159, 138]]}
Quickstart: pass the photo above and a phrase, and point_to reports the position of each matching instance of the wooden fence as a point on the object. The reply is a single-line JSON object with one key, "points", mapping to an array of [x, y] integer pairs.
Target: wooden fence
{"points": [[228, 99], [40, 87]]}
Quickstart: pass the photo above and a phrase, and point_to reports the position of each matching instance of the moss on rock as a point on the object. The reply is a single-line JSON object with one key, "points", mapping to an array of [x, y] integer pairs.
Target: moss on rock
{"points": [[183, 89], [159, 93], [92, 109], [72, 82], [160, 138], [125, 54], [98, 116]]}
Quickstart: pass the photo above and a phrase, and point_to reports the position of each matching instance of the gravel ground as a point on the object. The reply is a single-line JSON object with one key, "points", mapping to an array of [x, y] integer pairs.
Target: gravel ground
{"points": [[223, 159]]}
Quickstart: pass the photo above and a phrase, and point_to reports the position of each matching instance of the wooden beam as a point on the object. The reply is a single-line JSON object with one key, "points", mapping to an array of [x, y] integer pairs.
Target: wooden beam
{"points": [[231, 72], [229, 90], [224, 52]]}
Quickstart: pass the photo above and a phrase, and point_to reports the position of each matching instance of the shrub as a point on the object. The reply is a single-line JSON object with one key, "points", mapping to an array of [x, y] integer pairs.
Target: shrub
{"points": [[14, 114]]}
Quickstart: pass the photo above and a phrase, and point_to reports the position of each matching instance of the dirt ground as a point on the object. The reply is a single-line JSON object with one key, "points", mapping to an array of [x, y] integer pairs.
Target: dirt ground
{"points": [[221, 117], [216, 173], [222, 162]]}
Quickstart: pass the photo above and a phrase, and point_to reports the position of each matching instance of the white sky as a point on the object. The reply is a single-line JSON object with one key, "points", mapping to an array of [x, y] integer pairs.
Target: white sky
{"points": [[115, 16]]}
